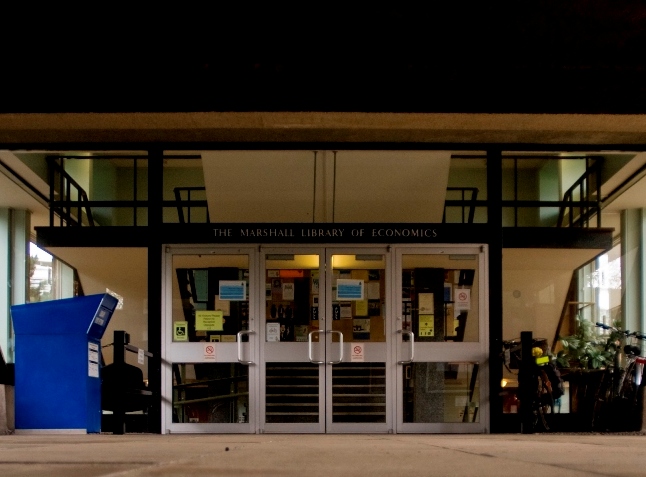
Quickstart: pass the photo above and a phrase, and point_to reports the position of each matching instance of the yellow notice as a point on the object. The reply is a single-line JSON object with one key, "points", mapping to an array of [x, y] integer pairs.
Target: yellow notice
{"points": [[361, 308], [208, 320], [426, 325], [180, 331]]}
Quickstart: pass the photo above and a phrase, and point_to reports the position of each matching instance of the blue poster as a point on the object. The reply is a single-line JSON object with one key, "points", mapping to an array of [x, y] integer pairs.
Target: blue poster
{"points": [[233, 290], [347, 289]]}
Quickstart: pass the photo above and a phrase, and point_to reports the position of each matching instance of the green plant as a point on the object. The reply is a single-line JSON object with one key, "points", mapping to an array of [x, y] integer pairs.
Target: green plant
{"points": [[586, 349]]}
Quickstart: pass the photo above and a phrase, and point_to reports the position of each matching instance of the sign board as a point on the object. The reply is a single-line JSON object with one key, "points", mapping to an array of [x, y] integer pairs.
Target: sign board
{"points": [[357, 352], [233, 290], [462, 299], [180, 331], [209, 351], [208, 320], [349, 289]]}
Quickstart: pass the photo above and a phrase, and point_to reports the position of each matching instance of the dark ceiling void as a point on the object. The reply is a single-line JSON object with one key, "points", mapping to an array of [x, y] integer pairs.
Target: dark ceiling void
{"points": [[529, 57]]}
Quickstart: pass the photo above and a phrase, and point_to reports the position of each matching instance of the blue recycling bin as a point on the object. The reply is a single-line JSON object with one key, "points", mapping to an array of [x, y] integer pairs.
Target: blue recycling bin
{"points": [[58, 363]]}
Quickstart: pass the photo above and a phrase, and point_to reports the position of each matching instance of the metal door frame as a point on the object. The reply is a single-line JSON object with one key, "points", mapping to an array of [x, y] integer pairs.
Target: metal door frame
{"points": [[194, 352], [370, 348], [444, 351]]}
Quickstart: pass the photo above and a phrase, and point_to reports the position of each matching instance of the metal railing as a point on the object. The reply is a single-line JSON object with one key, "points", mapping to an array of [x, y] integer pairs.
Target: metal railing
{"points": [[586, 188], [187, 204], [467, 205], [63, 189]]}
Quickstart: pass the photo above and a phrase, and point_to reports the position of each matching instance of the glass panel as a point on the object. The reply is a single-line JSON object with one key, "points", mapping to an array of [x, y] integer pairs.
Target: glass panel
{"points": [[213, 392], [291, 297], [440, 297], [441, 392], [540, 295], [210, 297], [49, 278], [359, 392], [359, 297], [292, 391]]}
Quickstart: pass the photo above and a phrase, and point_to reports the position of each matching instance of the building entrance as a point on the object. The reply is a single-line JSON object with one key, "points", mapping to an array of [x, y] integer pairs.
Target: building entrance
{"points": [[362, 339]]}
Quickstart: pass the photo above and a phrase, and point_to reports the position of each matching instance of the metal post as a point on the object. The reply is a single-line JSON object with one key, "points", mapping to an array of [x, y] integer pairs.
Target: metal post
{"points": [[525, 389], [121, 339], [494, 222]]}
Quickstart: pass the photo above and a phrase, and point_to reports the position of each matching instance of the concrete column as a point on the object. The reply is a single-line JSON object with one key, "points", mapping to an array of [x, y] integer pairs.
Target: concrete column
{"points": [[5, 283], [14, 270], [633, 240]]}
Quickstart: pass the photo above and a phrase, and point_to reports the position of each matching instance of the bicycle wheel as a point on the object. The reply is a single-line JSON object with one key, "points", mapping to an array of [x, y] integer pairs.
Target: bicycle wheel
{"points": [[624, 405], [543, 405], [602, 399]]}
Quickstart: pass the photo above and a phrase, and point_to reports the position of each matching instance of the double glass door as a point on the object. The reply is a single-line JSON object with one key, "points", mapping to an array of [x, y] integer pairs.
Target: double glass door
{"points": [[314, 339], [324, 341]]}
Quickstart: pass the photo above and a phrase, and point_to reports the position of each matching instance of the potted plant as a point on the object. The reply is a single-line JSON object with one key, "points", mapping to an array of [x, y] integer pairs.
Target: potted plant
{"points": [[583, 358], [585, 349]]}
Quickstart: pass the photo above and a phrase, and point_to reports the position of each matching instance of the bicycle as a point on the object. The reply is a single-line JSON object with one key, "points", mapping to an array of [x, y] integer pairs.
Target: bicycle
{"points": [[542, 387], [617, 397]]}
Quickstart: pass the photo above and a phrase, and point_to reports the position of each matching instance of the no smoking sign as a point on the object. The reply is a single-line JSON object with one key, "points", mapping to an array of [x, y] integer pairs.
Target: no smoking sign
{"points": [[209, 351], [357, 352]]}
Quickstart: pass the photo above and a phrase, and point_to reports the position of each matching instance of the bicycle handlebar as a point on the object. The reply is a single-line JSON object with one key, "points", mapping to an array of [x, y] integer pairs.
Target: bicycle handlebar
{"points": [[626, 333]]}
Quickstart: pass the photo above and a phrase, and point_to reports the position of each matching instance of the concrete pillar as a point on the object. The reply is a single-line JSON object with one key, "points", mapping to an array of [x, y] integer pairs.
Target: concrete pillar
{"points": [[15, 229], [633, 279], [5, 283]]}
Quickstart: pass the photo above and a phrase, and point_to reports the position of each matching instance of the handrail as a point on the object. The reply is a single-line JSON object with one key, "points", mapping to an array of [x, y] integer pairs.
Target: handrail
{"points": [[464, 202], [585, 185], [66, 185], [188, 203]]}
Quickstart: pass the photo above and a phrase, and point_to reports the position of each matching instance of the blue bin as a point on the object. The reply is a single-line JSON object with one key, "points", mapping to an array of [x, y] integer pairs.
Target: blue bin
{"points": [[58, 363]]}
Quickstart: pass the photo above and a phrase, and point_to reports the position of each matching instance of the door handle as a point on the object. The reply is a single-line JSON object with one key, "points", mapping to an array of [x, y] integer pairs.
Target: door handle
{"points": [[309, 346], [240, 333], [412, 346], [340, 347]]}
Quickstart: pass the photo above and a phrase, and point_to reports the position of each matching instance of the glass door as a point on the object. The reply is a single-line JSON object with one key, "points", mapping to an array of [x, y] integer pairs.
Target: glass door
{"points": [[358, 306], [441, 339], [324, 341], [209, 334], [292, 350]]}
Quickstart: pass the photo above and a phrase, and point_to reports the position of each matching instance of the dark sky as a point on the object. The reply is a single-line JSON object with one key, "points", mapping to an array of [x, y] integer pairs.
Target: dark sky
{"points": [[510, 56]]}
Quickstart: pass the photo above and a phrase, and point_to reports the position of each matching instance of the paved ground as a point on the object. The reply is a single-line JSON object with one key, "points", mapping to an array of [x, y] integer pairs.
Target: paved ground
{"points": [[559, 455]]}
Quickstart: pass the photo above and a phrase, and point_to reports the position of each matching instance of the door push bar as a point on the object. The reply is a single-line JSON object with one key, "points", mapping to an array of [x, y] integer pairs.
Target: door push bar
{"points": [[412, 346], [240, 333], [340, 347], [309, 346]]}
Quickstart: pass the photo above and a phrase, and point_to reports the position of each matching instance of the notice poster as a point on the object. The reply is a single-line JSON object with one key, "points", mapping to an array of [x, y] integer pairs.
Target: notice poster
{"points": [[273, 332], [223, 305], [208, 320], [93, 360], [426, 303], [346, 310], [288, 291], [373, 290], [361, 308], [361, 329], [233, 290], [315, 281], [348, 289], [462, 299], [426, 326], [301, 332]]}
